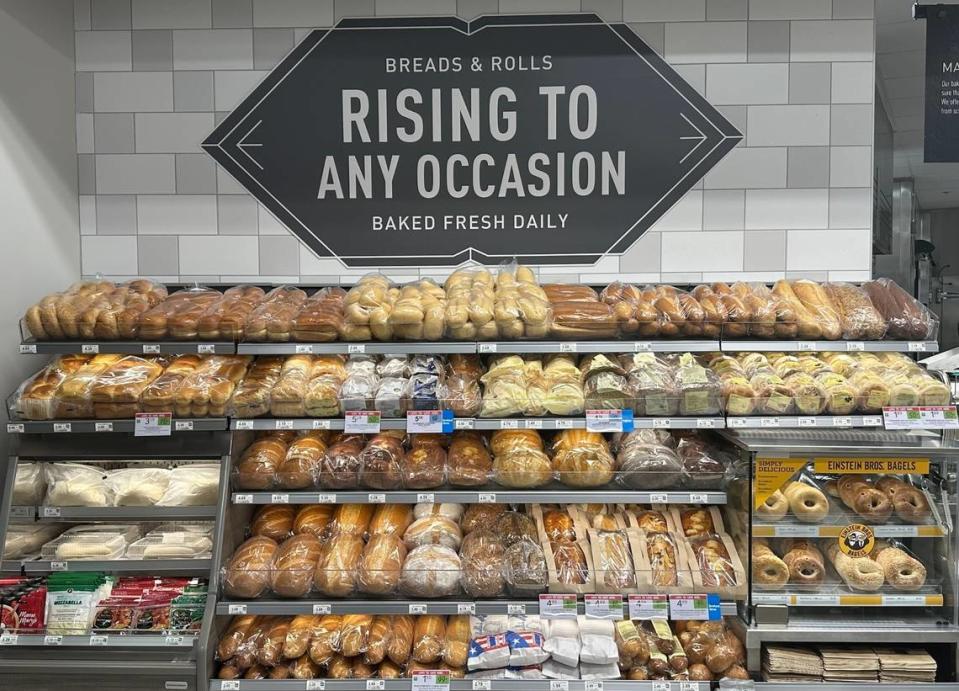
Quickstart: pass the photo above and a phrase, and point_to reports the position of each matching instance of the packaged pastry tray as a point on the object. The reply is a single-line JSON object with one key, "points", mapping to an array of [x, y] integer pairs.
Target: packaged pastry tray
{"points": [[91, 545], [179, 544]]}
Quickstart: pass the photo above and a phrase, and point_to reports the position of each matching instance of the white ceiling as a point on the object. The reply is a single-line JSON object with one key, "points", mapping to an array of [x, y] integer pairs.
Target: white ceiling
{"points": [[901, 48]]}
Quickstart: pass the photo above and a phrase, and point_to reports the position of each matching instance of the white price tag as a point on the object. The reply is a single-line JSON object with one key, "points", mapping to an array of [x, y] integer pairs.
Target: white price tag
{"points": [[689, 686], [103, 427], [904, 600], [15, 428], [183, 425], [698, 498], [236, 609], [376, 498], [806, 345], [464, 423], [62, 427], [283, 424], [648, 606], [431, 680], [921, 417], [705, 423], [796, 530], [686, 607], [50, 511], [205, 348], [917, 347], [592, 685], [605, 420], [558, 685], [769, 422], [425, 498], [807, 421], [304, 348], [173, 640], [230, 685], [642, 347], [661, 686], [872, 421], [604, 606], [53, 640], [855, 346], [564, 424], [8, 639], [658, 498], [315, 684], [322, 609], [28, 349], [424, 421], [151, 348], [842, 422], [816, 599], [59, 566], [567, 347], [482, 685], [243, 424], [509, 424], [896, 531], [96, 641], [90, 348], [662, 423], [321, 424], [533, 424], [242, 498], [356, 348], [375, 685], [486, 348], [737, 422], [557, 606], [325, 498], [153, 425], [418, 608], [486, 498], [466, 608], [362, 422], [279, 498], [516, 608]]}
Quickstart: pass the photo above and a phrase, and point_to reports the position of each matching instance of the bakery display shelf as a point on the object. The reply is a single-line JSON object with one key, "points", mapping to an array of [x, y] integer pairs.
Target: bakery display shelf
{"points": [[31, 347], [902, 599], [803, 422], [543, 423], [734, 346], [439, 607], [492, 495], [125, 426], [182, 567], [819, 686], [122, 513], [370, 348], [887, 530], [99, 640], [616, 346], [841, 441], [455, 685]]}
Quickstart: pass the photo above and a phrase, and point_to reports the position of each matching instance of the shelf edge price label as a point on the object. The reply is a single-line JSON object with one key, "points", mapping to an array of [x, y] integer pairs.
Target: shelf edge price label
{"points": [[279, 498], [243, 424], [355, 348], [53, 640], [183, 425], [648, 606], [567, 347], [362, 422], [557, 606], [920, 417], [9, 639], [464, 423], [698, 498], [322, 608], [99, 641], [62, 427], [236, 609], [151, 348], [806, 345], [153, 425], [375, 684], [173, 640], [425, 498], [564, 424], [230, 685], [304, 348], [842, 422], [855, 346], [482, 685], [376, 498], [90, 348], [59, 566], [431, 680], [769, 422], [103, 427], [610, 420], [604, 606], [533, 424], [737, 422], [486, 498], [50, 511], [661, 686], [205, 348], [642, 347], [321, 424], [466, 608], [242, 498], [486, 348], [509, 424], [325, 498], [429, 421], [658, 498], [558, 685], [705, 423], [516, 608], [917, 347], [315, 684], [283, 424], [28, 349], [594, 685], [418, 608], [15, 428], [700, 607], [806, 421]]}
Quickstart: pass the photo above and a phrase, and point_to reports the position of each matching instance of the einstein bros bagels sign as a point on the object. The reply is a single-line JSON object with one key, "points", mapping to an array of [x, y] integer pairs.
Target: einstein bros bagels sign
{"points": [[434, 141]]}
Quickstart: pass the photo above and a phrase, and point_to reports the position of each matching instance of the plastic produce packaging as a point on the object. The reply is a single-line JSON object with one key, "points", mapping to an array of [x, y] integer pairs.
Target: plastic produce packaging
{"points": [[192, 484], [137, 486], [29, 484], [76, 484]]}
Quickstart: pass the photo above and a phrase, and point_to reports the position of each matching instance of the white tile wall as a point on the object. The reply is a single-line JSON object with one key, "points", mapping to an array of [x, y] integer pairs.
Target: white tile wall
{"points": [[799, 182]]}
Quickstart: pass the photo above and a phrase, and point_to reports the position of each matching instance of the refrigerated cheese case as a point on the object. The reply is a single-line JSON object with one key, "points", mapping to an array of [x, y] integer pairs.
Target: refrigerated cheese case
{"points": [[488, 484]]}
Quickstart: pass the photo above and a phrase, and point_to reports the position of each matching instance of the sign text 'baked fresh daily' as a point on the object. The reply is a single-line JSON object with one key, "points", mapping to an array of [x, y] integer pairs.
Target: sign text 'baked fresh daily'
{"points": [[551, 138]]}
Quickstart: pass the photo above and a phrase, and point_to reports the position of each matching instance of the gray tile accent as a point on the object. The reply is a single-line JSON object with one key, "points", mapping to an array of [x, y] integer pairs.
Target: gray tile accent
{"points": [[767, 41], [364, 8], [157, 255], [809, 82], [284, 13], [110, 14], [193, 92], [232, 14], [84, 92], [653, 33], [171, 14], [610, 10], [86, 174], [764, 250], [726, 9], [724, 209], [236, 215], [736, 116], [136, 174], [645, 255], [851, 125], [81, 14], [116, 214], [807, 166], [195, 174], [269, 47], [279, 255], [853, 9], [811, 275], [103, 51], [152, 50], [113, 133]]}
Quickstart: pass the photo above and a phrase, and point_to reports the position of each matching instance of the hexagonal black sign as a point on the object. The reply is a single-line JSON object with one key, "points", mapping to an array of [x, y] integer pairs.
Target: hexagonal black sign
{"points": [[433, 141]]}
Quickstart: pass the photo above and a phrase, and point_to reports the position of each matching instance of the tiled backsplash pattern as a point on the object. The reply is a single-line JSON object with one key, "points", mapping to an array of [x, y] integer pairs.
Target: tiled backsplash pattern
{"points": [[154, 76]]}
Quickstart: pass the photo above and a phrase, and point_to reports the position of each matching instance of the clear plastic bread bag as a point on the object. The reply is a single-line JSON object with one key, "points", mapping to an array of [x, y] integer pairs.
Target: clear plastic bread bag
{"points": [[519, 460], [181, 308], [644, 462], [469, 461], [272, 319], [426, 462], [76, 484], [358, 391], [582, 459], [192, 484], [785, 319], [699, 388], [483, 554], [367, 309], [137, 486], [29, 485], [859, 319], [392, 397], [705, 465], [383, 460], [605, 385], [906, 317], [671, 314], [341, 464], [652, 384], [419, 312], [320, 319]]}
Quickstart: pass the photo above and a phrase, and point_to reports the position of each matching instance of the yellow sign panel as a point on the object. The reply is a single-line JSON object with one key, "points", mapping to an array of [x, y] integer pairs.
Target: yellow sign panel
{"points": [[858, 465], [772, 474]]}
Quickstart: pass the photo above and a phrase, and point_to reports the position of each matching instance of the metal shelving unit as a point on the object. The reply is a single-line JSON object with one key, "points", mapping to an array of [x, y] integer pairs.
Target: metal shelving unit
{"points": [[122, 426], [735, 346], [455, 685], [100, 640], [33, 347], [800, 422], [493, 495], [543, 423], [76, 514]]}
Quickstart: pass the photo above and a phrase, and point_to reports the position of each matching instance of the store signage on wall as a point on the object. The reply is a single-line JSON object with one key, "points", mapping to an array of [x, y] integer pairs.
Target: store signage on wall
{"points": [[434, 141], [942, 83]]}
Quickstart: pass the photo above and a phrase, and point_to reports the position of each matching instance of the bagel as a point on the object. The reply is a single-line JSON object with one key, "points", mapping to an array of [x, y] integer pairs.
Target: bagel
{"points": [[774, 508], [859, 573], [769, 571], [848, 486], [911, 505], [807, 503], [872, 504], [890, 485], [900, 570], [805, 563]]}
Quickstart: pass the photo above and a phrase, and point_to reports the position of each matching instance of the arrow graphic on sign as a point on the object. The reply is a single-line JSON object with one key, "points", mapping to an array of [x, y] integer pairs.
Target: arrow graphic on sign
{"points": [[242, 145], [698, 139]]}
